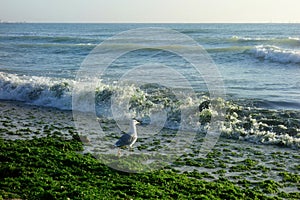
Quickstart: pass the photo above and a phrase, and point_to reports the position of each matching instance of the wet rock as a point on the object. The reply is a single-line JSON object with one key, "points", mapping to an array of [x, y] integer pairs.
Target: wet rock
{"points": [[204, 105]]}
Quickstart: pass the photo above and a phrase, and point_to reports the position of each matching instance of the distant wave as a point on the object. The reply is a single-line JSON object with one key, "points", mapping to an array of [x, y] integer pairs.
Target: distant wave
{"points": [[247, 39], [276, 54], [228, 49], [290, 41], [49, 45], [48, 39]]}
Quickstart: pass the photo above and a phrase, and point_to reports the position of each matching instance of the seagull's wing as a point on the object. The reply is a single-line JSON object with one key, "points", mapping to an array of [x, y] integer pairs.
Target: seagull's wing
{"points": [[126, 139]]}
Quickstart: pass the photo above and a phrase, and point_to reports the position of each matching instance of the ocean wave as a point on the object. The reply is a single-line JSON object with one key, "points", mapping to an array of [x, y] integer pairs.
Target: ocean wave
{"points": [[288, 41], [42, 91], [294, 38], [247, 39], [57, 92], [276, 54], [60, 45], [264, 126], [48, 39], [228, 49]]}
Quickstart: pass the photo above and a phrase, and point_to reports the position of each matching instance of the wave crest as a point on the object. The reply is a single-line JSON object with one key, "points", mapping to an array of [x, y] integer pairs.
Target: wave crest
{"points": [[276, 54], [43, 91], [289, 41]]}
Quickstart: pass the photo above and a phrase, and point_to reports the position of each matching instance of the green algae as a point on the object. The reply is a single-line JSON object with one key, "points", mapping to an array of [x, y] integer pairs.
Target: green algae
{"points": [[269, 186], [52, 168], [244, 165], [290, 177], [55, 168]]}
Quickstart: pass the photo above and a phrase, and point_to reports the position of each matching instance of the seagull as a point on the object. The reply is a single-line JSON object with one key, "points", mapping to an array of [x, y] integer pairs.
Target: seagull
{"points": [[128, 139]]}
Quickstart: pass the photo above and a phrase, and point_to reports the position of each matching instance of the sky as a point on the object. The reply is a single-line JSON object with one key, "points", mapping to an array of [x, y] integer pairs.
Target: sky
{"points": [[150, 11]]}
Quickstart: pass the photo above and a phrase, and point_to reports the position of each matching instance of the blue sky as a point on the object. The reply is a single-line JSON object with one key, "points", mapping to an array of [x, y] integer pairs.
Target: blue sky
{"points": [[150, 10]]}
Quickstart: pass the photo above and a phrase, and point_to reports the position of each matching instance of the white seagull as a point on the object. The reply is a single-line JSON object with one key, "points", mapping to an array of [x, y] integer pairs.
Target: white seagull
{"points": [[128, 139]]}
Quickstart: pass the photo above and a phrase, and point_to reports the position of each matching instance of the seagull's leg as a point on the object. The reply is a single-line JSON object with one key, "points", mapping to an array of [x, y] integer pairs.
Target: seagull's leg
{"points": [[130, 148], [119, 153]]}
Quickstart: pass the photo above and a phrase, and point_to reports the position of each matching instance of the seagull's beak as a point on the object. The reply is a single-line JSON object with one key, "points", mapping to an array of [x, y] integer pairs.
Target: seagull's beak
{"points": [[138, 121]]}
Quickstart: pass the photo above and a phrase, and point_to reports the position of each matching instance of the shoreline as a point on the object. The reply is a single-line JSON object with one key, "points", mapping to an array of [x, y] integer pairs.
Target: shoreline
{"points": [[245, 164]]}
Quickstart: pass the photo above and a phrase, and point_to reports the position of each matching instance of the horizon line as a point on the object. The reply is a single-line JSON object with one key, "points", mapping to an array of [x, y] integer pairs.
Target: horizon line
{"points": [[149, 22]]}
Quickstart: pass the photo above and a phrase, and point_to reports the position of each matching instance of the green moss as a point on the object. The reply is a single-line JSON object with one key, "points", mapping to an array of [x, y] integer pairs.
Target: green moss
{"points": [[269, 186], [297, 167], [244, 165], [290, 177], [199, 175], [291, 195], [244, 183], [221, 172], [191, 162], [296, 156], [226, 150], [258, 153], [214, 154], [52, 168], [262, 168], [250, 163], [205, 116], [222, 164], [142, 147]]}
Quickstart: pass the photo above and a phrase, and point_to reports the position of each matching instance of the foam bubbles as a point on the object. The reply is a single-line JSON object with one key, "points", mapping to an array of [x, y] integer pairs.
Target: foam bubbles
{"points": [[276, 54], [43, 91], [244, 123]]}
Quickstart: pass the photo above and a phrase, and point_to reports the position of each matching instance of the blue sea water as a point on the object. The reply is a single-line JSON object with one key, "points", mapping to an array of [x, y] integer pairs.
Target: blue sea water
{"points": [[258, 62]]}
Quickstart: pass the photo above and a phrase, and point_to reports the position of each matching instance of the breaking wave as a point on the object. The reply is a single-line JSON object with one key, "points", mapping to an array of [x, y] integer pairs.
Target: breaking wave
{"points": [[42, 91], [263, 126], [276, 54]]}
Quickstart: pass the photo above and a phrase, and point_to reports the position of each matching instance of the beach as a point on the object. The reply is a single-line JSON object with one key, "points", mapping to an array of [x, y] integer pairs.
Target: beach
{"points": [[262, 170]]}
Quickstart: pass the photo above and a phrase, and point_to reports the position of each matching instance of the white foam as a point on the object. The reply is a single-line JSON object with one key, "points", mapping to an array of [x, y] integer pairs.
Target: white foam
{"points": [[276, 54], [233, 128], [294, 38], [238, 38], [36, 90]]}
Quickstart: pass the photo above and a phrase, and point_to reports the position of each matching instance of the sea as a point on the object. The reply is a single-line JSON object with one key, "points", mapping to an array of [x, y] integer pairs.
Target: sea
{"points": [[259, 67]]}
